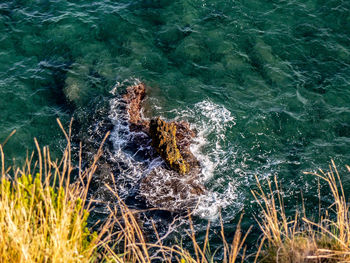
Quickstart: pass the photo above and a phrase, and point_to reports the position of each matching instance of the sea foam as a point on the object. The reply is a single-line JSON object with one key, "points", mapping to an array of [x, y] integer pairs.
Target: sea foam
{"points": [[210, 120]]}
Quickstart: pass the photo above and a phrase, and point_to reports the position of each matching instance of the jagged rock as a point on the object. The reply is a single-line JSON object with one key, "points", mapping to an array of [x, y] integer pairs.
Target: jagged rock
{"points": [[163, 136], [133, 98], [184, 134], [176, 186], [184, 137]]}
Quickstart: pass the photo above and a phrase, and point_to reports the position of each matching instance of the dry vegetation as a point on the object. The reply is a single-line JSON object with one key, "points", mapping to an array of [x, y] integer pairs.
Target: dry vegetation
{"points": [[299, 239], [43, 218]]}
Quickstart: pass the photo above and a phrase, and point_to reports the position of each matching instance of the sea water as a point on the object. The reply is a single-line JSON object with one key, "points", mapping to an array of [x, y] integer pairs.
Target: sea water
{"points": [[265, 83]]}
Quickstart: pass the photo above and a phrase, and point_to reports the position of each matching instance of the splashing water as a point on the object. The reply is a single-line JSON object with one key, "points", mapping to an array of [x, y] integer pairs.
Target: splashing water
{"points": [[211, 121]]}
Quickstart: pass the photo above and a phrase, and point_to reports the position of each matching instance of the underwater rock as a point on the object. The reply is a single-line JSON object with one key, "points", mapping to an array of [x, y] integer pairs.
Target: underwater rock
{"points": [[163, 136], [166, 189]]}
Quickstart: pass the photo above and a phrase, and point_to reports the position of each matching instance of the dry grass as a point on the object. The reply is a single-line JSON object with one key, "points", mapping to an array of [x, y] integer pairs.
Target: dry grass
{"points": [[299, 239], [43, 217], [133, 246]]}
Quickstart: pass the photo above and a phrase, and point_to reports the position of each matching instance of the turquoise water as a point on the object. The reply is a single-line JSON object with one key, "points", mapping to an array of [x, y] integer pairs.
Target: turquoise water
{"points": [[267, 83]]}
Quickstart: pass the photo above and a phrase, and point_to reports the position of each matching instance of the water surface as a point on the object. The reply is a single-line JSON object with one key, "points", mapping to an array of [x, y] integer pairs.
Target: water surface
{"points": [[266, 83]]}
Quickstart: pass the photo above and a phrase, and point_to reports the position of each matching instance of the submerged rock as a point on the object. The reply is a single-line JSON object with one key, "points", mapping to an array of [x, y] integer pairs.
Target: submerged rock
{"points": [[170, 190], [163, 136]]}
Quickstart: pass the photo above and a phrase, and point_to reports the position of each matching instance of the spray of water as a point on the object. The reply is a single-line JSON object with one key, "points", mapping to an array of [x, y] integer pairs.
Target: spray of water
{"points": [[210, 120]]}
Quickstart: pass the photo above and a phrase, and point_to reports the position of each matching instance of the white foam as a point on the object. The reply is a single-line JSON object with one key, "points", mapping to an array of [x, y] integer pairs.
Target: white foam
{"points": [[209, 206], [212, 122]]}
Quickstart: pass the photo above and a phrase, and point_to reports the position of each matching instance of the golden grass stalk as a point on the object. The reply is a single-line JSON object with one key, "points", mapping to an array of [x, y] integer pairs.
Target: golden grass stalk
{"points": [[300, 239], [335, 228], [136, 248], [287, 241], [43, 217]]}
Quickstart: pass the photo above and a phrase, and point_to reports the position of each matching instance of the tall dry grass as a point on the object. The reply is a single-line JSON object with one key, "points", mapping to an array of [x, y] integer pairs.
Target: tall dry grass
{"points": [[43, 215], [133, 246], [300, 239], [43, 218]]}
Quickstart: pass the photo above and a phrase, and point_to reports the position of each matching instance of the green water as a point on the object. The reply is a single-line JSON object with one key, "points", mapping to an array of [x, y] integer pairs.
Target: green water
{"points": [[278, 70]]}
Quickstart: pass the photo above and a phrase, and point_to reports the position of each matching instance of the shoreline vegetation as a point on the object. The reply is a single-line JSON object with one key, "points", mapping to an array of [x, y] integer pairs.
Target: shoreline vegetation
{"points": [[44, 213]]}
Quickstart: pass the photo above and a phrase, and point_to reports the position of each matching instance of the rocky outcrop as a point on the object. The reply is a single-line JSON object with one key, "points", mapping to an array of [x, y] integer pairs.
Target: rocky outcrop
{"points": [[163, 136], [171, 140]]}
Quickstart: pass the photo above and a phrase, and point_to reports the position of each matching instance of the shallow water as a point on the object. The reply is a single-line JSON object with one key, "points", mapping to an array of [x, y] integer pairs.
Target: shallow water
{"points": [[266, 83]]}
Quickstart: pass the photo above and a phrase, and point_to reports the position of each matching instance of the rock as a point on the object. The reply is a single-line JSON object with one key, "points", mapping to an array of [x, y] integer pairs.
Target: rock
{"points": [[176, 186], [163, 136], [184, 137], [133, 97], [171, 191], [175, 150]]}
